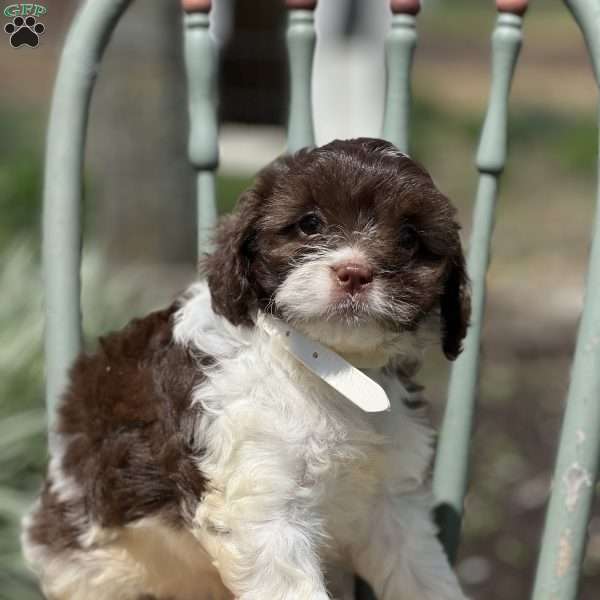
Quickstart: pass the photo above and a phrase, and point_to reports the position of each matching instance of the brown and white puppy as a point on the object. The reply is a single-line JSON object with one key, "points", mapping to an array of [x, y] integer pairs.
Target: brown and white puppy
{"points": [[195, 458]]}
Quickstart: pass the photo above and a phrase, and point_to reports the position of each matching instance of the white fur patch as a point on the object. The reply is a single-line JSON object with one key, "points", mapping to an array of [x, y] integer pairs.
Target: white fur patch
{"points": [[295, 471]]}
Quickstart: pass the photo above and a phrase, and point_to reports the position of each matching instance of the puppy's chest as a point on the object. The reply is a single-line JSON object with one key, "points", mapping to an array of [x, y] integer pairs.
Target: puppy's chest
{"points": [[273, 402]]}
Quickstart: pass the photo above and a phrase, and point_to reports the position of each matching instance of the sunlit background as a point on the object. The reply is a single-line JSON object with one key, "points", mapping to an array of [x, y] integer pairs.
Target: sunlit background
{"points": [[140, 223]]}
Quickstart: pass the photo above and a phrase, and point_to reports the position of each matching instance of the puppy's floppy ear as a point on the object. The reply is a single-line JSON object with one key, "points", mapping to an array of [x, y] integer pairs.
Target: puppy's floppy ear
{"points": [[228, 268], [455, 305]]}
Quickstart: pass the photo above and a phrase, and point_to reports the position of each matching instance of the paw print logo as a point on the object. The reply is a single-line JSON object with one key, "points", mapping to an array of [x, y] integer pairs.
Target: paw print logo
{"points": [[24, 32]]}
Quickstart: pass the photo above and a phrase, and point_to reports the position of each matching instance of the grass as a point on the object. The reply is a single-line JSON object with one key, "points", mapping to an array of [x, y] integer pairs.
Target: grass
{"points": [[22, 419], [20, 176]]}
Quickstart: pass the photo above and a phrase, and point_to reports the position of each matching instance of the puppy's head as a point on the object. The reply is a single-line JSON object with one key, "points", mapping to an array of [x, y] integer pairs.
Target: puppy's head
{"points": [[351, 243]]}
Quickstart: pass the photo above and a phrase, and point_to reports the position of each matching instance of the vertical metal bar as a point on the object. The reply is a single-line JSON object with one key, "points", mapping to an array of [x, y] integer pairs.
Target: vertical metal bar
{"points": [[63, 187], [576, 471], [400, 47], [301, 40], [451, 465], [203, 146]]}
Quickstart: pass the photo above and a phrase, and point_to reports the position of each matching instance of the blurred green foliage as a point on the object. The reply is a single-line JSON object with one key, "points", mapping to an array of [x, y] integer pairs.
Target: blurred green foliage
{"points": [[229, 188], [570, 141], [22, 420], [20, 176]]}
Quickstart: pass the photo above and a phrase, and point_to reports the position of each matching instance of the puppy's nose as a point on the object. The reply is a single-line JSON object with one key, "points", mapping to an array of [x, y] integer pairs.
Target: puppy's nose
{"points": [[353, 277]]}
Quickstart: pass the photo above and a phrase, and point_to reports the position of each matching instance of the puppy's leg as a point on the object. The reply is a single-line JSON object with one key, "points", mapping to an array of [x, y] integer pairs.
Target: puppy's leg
{"points": [[260, 529], [402, 558]]}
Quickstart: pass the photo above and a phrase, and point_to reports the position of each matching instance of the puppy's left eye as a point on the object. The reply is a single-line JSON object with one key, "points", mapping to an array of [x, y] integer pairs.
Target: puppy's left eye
{"points": [[310, 224], [409, 238]]}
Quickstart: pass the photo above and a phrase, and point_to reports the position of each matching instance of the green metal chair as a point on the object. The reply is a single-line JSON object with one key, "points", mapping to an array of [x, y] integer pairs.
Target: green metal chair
{"points": [[564, 535]]}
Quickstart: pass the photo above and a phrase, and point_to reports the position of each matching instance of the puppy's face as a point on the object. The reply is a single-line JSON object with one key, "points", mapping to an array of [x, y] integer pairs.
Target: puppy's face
{"points": [[351, 243]]}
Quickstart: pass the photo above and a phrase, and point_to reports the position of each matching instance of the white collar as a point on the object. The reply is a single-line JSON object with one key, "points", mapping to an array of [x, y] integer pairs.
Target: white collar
{"points": [[326, 364]]}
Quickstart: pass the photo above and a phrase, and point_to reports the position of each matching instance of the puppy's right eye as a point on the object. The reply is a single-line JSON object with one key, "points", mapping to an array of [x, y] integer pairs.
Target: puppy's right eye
{"points": [[409, 238], [310, 224]]}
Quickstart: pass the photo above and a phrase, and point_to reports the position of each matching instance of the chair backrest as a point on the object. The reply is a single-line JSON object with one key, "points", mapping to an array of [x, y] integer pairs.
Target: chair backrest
{"points": [[577, 464]]}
